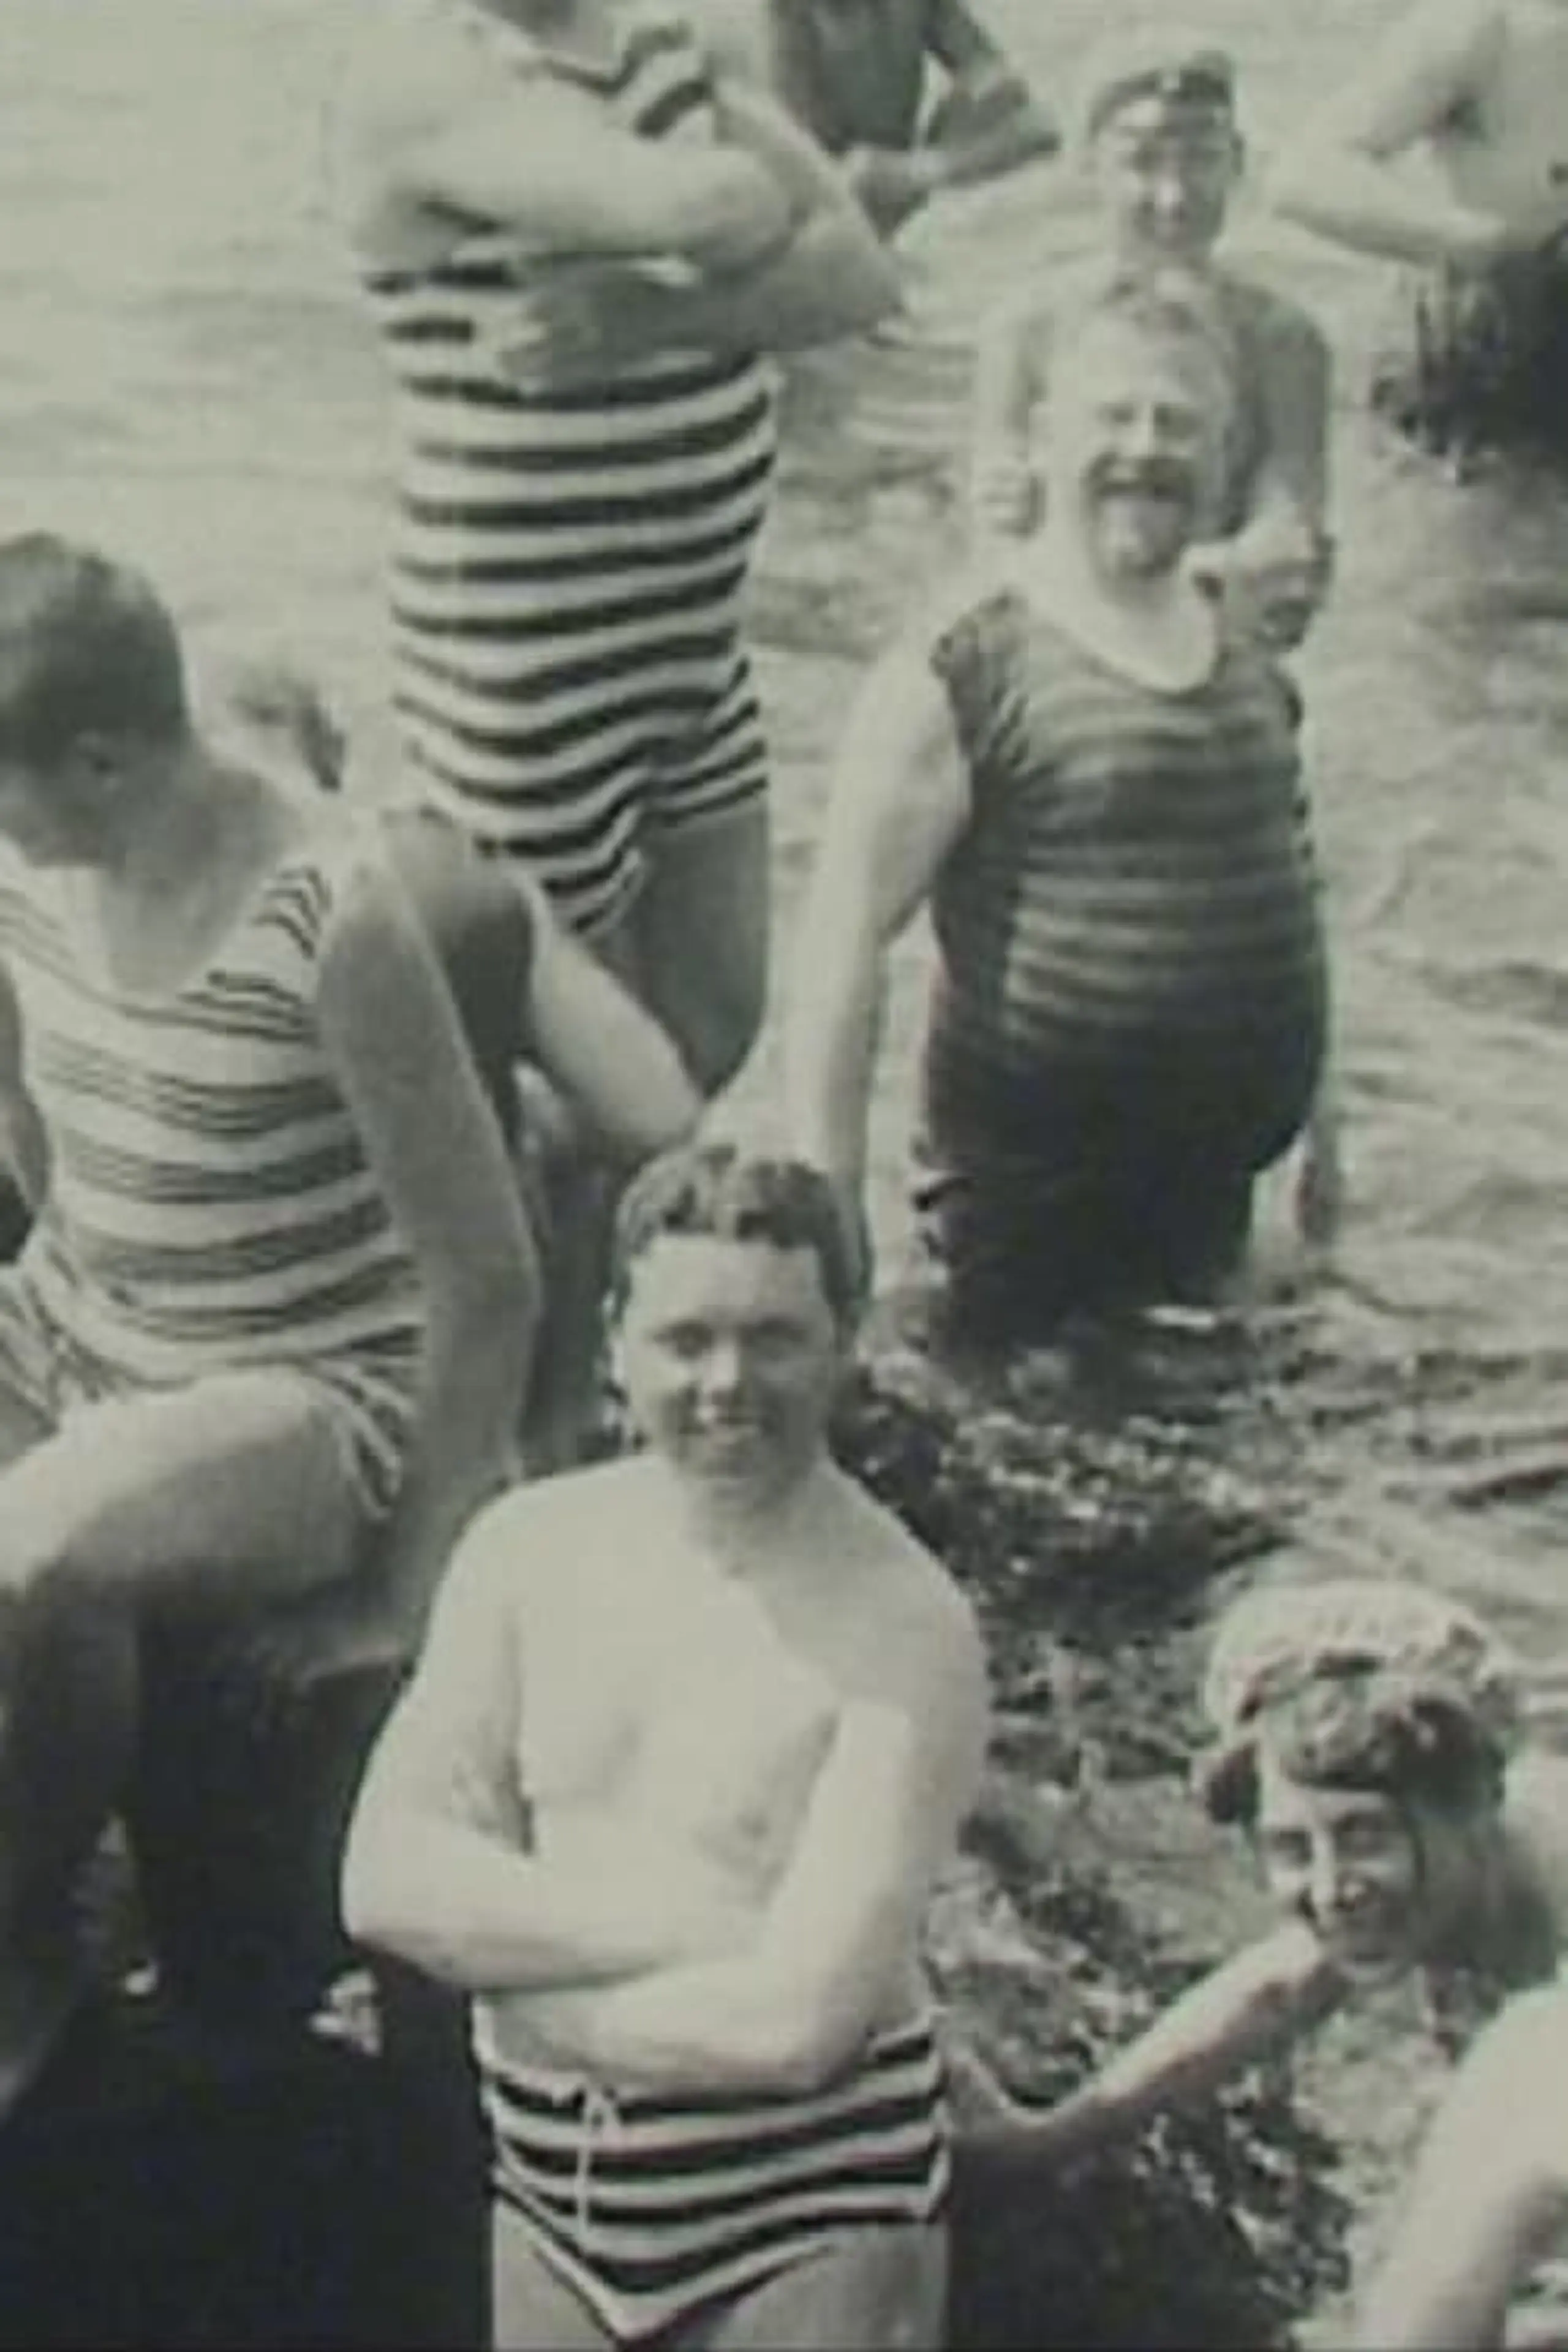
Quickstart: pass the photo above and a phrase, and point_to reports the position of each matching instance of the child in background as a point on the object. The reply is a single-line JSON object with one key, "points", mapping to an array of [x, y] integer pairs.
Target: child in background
{"points": [[1158, 135]]}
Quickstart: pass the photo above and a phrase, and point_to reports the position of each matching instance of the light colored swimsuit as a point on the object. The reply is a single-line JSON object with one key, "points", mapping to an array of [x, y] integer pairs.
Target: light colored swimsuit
{"points": [[210, 1207], [569, 564]]}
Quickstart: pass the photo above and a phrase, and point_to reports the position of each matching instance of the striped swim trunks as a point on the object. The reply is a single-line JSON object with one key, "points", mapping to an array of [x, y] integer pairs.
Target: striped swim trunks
{"points": [[651, 2207]]}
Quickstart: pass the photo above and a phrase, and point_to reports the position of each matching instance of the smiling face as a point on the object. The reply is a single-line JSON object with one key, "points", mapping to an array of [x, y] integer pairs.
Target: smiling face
{"points": [[731, 1357], [1136, 427], [1351, 1863], [1163, 177]]}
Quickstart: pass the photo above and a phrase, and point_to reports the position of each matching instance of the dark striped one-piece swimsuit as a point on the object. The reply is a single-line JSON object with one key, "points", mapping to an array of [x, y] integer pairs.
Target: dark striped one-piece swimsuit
{"points": [[568, 567], [1130, 998]]}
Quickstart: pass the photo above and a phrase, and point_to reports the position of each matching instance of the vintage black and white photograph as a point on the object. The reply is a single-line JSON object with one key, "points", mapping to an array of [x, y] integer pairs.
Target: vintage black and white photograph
{"points": [[784, 1175]]}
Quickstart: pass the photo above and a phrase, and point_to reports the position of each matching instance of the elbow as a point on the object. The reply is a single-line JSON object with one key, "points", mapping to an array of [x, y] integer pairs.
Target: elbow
{"points": [[815, 2038], [372, 1885]]}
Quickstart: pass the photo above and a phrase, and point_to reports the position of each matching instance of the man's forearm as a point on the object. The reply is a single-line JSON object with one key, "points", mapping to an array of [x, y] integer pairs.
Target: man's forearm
{"points": [[720, 2026], [476, 1913]]}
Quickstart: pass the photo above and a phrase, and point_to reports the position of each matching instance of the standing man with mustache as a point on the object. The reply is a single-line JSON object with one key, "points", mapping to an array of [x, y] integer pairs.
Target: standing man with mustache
{"points": [[1093, 781]]}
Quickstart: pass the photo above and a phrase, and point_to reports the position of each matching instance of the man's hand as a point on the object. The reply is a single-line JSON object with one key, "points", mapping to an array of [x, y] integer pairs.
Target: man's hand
{"points": [[1272, 577], [891, 184], [578, 322]]}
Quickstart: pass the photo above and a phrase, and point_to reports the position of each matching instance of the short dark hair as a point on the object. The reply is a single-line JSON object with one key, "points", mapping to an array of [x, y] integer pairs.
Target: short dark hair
{"points": [[1352, 1725], [86, 647], [717, 1188]]}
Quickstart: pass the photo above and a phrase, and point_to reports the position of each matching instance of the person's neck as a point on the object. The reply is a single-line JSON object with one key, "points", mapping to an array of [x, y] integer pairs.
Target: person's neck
{"points": [[740, 1533], [181, 814]]}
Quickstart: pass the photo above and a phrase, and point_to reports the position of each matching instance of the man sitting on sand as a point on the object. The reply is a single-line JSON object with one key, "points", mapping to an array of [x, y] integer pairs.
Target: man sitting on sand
{"points": [[1096, 787], [692, 1737], [269, 1331], [856, 74]]}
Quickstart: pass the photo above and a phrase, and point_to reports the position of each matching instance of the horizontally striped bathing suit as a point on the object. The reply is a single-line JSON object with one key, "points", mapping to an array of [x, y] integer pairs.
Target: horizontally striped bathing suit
{"points": [[651, 2207], [210, 1207], [568, 568], [1130, 1005]]}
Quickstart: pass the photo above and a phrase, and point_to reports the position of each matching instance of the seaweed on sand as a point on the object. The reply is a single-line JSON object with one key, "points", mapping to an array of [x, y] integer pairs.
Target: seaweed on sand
{"points": [[1090, 1546]]}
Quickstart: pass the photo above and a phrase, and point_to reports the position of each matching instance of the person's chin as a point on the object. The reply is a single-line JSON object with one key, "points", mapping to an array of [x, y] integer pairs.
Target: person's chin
{"points": [[1371, 1959], [1143, 535]]}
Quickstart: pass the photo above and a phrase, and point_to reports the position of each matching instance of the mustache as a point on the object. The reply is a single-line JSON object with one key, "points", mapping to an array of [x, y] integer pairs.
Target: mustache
{"points": [[1170, 477]]}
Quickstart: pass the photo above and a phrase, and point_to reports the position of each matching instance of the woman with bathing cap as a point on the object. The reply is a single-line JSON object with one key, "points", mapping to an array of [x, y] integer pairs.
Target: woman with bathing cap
{"points": [[1367, 1741]]}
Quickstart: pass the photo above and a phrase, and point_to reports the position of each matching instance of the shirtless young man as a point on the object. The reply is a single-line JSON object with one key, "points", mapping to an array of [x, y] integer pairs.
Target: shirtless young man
{"points": [[856, 74], [269, 1332], [692, 1737]]}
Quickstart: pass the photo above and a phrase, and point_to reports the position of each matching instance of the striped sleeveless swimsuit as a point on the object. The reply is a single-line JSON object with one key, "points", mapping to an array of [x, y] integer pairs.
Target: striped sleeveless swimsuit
{"points": [[1131, 997], [210, 1207], [569, 674], [651, 2206]]}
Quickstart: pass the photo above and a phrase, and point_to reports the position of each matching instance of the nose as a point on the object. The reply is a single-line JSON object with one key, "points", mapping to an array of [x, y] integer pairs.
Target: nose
{"points": [[1328, 1880], [1168, 195], [1142, 435], [723, 1370]]}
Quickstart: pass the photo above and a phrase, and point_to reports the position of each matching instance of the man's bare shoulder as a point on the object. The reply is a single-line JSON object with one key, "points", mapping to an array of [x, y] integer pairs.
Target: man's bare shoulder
{"points": [[926, 1621], [566, 1529]]}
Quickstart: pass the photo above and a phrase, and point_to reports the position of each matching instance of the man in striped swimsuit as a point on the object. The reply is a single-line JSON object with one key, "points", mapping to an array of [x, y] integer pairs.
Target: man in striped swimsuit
{"points": [[1094, 781], [270, 1327], [693, 1734]]}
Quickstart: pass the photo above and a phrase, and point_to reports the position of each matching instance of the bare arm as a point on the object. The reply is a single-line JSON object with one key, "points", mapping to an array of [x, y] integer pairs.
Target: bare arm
{"points": [[23, 1147], [432, 140], [1280, 561], [793, 2009], [1489, 2192], [437, 1867], [1257, 2001], [899, 803], [1341, 176], [1004, 495], [829, 279], [390, 1028], [989, 122], [611, 1059]]}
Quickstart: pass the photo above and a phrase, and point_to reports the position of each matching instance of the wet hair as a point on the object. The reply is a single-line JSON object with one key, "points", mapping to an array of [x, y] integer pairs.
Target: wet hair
{"points": [[87, 647], [1172, 307], [715, 1188], [1349, 1724]]}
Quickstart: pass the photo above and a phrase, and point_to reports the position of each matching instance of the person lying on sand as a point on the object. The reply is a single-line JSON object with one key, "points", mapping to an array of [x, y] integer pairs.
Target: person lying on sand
{"points": [[1094, 781], [693, 1734], [1367, 1741]]}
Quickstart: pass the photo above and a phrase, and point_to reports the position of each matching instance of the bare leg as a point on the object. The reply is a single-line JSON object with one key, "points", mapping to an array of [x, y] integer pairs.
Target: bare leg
{"points": [[532, 2310], [702, 937], [875, 2290], [231, 1490]]}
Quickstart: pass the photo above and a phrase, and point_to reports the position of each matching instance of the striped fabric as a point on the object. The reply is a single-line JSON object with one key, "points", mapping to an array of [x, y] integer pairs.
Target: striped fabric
{"points": [[210, 1205], [651, 2206], [569, 564], [1129, 921]]}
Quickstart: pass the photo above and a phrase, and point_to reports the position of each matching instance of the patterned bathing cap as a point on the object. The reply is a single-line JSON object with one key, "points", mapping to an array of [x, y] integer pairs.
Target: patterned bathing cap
{"points": [[1281, 1636]]}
